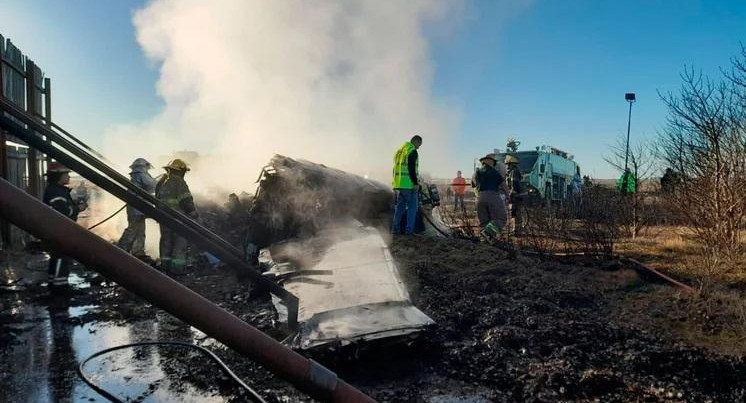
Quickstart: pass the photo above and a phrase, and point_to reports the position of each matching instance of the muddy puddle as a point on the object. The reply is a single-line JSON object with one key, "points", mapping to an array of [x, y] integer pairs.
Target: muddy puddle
{"points": [[46, 356], [50, 334]]}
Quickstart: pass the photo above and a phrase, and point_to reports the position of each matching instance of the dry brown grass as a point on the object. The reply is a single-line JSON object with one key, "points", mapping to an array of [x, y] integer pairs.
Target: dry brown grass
{"points": [[676, 250], [713, 318]]}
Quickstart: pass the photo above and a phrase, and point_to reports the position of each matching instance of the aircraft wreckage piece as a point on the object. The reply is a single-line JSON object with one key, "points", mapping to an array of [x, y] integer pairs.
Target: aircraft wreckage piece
{"points": [[296, 198], [321, 233], [348, 285]]}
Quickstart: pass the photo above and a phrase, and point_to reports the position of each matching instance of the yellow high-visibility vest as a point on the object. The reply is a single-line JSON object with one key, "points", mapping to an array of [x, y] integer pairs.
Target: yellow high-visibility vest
{"points": [[401, 167]]}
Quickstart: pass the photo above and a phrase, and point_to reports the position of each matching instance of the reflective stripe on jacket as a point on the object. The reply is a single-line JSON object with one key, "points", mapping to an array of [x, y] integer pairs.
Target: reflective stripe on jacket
{"points": [[174, 192], [58, 197], [401, 168], [514, 178]]}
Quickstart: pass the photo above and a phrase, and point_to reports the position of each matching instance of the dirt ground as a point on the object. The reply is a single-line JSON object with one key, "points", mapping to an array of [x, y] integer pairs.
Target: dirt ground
{"points": [[508, 329]]}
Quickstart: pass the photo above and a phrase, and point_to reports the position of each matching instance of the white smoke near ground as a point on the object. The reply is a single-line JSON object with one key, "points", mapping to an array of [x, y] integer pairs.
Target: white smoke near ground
{"points": [[101, 207], [338, 82]]}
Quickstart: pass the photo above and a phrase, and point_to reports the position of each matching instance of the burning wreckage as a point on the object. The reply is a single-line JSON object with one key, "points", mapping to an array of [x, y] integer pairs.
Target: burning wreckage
{"points": [[319, 232]]}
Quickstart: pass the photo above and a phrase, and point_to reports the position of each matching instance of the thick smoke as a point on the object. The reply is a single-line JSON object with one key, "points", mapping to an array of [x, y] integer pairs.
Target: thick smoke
{"points": [[337, 82]]}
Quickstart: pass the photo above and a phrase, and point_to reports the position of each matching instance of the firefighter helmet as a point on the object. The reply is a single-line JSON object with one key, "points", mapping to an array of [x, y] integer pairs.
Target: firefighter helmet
{"points": [[509, 159], [177, 165], [56, 167], [489, 157], [141, 162]]}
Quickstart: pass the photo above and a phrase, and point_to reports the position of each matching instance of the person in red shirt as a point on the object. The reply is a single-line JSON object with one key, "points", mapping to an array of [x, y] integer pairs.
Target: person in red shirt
{"points": [[459, 188]]}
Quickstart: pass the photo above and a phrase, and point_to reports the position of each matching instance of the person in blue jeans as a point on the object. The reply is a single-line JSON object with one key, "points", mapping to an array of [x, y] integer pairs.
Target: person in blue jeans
{"points": [[406, 185]]}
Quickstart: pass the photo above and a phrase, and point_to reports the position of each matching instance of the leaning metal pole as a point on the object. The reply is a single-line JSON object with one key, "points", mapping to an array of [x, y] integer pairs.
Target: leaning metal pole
{"points": [[90, 167], [115, 264]]}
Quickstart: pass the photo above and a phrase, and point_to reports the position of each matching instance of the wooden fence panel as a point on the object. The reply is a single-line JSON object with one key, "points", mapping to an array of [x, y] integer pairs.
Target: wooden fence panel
{"points": [[23, 83]]}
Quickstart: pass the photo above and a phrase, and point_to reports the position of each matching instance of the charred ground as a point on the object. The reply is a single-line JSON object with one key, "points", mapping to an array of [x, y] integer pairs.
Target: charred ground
{"points": [[509, 329]]}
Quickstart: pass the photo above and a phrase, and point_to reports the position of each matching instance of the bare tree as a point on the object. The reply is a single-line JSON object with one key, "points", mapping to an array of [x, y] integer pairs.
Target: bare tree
{"points": [[643, 164], [704, 143]]}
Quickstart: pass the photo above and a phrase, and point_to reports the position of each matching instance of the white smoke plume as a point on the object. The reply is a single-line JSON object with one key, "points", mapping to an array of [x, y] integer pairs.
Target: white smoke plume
{"points": [[338, 82]]}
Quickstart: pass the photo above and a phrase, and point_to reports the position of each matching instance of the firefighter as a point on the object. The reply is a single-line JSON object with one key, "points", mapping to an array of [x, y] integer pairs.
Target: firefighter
{"points": [[57, 195], [80, 195], [406, 185], [490, 206], [515, 198], [173, 191], [133, 237]]}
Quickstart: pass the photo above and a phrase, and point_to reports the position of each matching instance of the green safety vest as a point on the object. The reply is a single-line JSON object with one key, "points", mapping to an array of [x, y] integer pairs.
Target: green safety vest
{"points": [[627, 183], [401, 168]]}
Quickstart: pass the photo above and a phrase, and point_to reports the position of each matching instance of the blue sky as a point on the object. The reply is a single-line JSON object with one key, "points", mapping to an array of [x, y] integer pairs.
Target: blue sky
{"points": [[551, 72], [88, 49], [556, 73]]}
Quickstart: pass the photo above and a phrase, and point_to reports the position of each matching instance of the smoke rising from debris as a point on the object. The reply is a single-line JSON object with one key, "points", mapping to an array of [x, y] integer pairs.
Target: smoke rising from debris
{"points": [[337, 82]]}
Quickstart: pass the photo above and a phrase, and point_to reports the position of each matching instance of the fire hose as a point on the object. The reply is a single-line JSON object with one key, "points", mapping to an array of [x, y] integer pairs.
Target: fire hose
{"points": [[255, 397], [107, 218]]}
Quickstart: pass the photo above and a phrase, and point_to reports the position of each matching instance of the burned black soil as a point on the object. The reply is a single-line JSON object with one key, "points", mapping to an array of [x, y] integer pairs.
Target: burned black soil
{"points": [[544, 331], [507, 329]]}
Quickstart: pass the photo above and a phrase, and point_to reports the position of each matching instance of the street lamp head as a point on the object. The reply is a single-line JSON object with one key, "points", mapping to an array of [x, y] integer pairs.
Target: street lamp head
{"points": [[630, 96]]}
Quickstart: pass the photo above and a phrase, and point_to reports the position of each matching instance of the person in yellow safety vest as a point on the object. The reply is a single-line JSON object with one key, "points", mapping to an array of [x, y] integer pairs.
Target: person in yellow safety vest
{"points": [[406, 185], [173, 191]]}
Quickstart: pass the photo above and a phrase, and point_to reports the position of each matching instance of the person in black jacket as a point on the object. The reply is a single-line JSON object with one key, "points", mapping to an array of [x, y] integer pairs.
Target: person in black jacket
{"points": [[491, 210], [57, 196]]}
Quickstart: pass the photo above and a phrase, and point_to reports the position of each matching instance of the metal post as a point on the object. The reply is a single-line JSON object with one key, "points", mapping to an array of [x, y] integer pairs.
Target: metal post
{"points": [[48, 101], [117, 265], [48, 111], [33, 162], [4, 225]]}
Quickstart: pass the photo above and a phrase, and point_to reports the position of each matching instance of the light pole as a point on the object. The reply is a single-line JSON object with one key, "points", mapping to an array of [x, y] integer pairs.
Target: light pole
{"points": [[629, 97]]}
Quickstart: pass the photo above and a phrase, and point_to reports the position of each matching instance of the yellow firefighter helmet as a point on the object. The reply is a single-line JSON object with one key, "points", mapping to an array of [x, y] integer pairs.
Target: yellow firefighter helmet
{"points": [[177, 165]]}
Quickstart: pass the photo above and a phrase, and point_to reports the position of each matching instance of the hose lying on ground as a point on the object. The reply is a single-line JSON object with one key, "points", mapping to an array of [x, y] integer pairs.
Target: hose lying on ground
{"points": [[254, 396], [425, 216]]}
